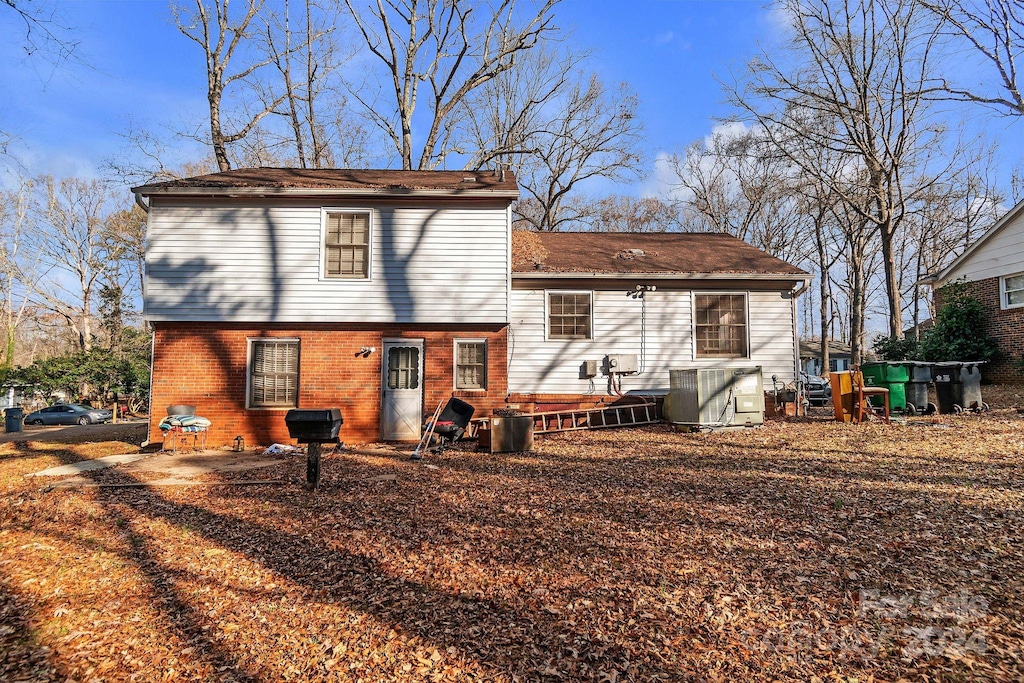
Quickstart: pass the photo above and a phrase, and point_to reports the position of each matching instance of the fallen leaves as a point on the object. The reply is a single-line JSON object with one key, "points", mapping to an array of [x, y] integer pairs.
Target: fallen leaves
{"points": [[795, 551]]}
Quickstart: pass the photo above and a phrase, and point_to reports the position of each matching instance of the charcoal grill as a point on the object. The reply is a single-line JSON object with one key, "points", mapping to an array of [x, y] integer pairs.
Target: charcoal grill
{"points": [[314, 427]]}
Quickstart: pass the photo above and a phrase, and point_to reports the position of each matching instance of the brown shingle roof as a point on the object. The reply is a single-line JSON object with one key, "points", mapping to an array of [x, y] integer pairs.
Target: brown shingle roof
{"points": [[623, 252], [342, 179]]}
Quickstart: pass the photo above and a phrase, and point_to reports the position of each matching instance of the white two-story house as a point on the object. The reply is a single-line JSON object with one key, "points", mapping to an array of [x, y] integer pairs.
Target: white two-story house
{"points": [[383, 293]]}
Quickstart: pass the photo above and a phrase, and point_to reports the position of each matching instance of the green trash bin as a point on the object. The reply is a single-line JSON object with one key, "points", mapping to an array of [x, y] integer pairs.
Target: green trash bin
{"points": [[892, 375]]}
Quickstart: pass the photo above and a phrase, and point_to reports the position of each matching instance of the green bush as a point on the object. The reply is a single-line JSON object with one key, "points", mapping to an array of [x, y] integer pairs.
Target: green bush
{"points": [[896, 348], [958, 333]]}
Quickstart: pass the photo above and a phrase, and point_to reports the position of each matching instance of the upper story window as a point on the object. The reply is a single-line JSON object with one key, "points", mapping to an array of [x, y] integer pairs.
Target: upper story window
{"points": [[721, 325], [273, 373], [470, 364], [347, 244], [570, 315], [1012, 291]]}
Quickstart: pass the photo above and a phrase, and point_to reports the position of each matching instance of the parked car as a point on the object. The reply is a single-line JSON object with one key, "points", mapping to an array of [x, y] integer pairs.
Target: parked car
{"points": [[68, 414], [817, 389]]}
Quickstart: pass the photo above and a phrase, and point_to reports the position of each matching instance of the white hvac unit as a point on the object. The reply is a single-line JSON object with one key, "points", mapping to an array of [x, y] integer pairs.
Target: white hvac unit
{"points": [[715, 398]]}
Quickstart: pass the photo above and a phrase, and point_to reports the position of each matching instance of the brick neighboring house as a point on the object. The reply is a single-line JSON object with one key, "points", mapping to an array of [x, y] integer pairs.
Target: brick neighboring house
{"points": [[993, 268], [385, 292]]}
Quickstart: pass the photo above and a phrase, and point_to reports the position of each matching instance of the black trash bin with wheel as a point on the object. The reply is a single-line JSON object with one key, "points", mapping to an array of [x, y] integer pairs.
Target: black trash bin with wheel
{"points": [[13, 419], [917, 388], [958, 386]]}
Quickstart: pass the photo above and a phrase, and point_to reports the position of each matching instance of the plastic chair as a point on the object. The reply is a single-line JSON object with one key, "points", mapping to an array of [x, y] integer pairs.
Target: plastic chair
{"points": [[862, 397]]}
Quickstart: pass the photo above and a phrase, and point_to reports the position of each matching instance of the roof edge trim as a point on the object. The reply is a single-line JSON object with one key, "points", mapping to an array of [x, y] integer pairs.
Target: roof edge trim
{"points": [[150, 191]]}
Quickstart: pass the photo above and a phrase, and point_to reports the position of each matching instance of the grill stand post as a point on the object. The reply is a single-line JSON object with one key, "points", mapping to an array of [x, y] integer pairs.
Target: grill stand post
{"points": [[313, 465]]}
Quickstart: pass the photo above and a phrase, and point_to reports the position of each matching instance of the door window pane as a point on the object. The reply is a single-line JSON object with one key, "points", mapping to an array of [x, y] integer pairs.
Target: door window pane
{"points": [[403, 367]]}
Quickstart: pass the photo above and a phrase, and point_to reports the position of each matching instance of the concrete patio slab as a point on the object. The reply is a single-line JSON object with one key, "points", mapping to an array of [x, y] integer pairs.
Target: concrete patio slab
{"points": [[89, 465]]}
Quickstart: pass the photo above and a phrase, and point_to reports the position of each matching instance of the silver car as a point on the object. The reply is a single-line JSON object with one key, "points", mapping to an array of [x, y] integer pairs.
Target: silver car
{"points": [[68, 414], [817, 389]]}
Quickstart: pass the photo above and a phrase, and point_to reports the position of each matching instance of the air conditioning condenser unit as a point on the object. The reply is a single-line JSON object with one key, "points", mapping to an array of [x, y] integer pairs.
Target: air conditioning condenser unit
{"points": [[715, 398]]}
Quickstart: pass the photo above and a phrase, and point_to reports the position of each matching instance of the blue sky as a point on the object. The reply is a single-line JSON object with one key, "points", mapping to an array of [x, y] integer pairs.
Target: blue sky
{"points": [[135, 66]]}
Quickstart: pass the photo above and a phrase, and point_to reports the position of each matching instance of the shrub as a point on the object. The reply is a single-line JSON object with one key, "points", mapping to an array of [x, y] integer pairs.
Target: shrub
{"points": [[958, 333], [895, 348]]}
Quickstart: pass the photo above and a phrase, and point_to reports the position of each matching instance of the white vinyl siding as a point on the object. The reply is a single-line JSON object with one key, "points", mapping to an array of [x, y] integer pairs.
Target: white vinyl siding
{"points": [[1011, 291], [1001, 255], [540, 365], [433, 261], [273, 373]]}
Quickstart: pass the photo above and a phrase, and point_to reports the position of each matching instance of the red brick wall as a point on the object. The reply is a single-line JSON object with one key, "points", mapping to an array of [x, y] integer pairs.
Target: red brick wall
{"points": [[204, 364], [1006, 326]]}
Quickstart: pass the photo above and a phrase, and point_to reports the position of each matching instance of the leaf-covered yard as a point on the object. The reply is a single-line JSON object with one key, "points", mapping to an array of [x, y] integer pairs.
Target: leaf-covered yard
{"points": [[788, 552]]}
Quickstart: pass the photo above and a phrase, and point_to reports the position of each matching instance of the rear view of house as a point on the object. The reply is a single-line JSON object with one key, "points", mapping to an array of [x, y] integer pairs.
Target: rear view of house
{"points": [[656, 302], [383, 293], [378, 292]]}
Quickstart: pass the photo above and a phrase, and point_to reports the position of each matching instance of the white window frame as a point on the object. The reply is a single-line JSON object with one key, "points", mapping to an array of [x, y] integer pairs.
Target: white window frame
{"points": [[455, 363], [693, 321], [248, 372], [547, 315], [322, 250], [1004, 302]]}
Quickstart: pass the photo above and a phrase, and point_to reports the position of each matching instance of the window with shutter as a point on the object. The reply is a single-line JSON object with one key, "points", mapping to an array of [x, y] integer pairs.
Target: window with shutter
{"points": [[471, 364], [347, 245], [274, 373], [721, 325]]}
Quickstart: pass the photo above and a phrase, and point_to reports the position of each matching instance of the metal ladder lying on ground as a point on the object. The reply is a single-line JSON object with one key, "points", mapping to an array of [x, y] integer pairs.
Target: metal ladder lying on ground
{"points": [[631, 415]]}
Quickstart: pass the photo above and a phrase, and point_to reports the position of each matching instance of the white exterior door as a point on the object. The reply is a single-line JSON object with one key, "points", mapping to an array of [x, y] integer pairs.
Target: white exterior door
{"points": [[401, 411]]}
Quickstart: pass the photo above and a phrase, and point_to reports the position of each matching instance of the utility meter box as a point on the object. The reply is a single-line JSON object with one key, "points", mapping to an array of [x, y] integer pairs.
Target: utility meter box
{"points": [[622, 363]]}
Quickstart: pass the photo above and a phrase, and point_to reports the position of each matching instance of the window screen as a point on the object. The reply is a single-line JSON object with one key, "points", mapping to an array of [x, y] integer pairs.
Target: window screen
{"points": [[347, 245], [274, 374], [471, 365], [569, 316], [721, 325]]}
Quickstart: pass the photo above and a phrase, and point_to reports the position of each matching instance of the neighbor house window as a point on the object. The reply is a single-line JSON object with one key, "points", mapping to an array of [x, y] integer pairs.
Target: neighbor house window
{"points": [[721, 328], [347, 245], [1013, 290], [273, 373], [471, 364], [569, 315]]}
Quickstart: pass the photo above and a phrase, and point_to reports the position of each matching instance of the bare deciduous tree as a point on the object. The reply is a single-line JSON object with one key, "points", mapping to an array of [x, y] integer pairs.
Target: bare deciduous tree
{"points": [[994, 29], [591, 133], [736, 182], [209, 24], [71, 239], [19, 272], [865, 65], [622, 213], [450, 47]]}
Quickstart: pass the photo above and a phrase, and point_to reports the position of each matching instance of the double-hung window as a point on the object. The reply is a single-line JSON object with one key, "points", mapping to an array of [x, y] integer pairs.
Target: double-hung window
{"points": [[273, 373], [721, 325], [570, 315], [1012, 290], [471, 364], [347, 244]]}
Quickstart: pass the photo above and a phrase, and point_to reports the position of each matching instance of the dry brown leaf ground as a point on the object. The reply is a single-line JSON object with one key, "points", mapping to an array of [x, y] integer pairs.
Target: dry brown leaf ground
{"points": [[796, 551]]}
